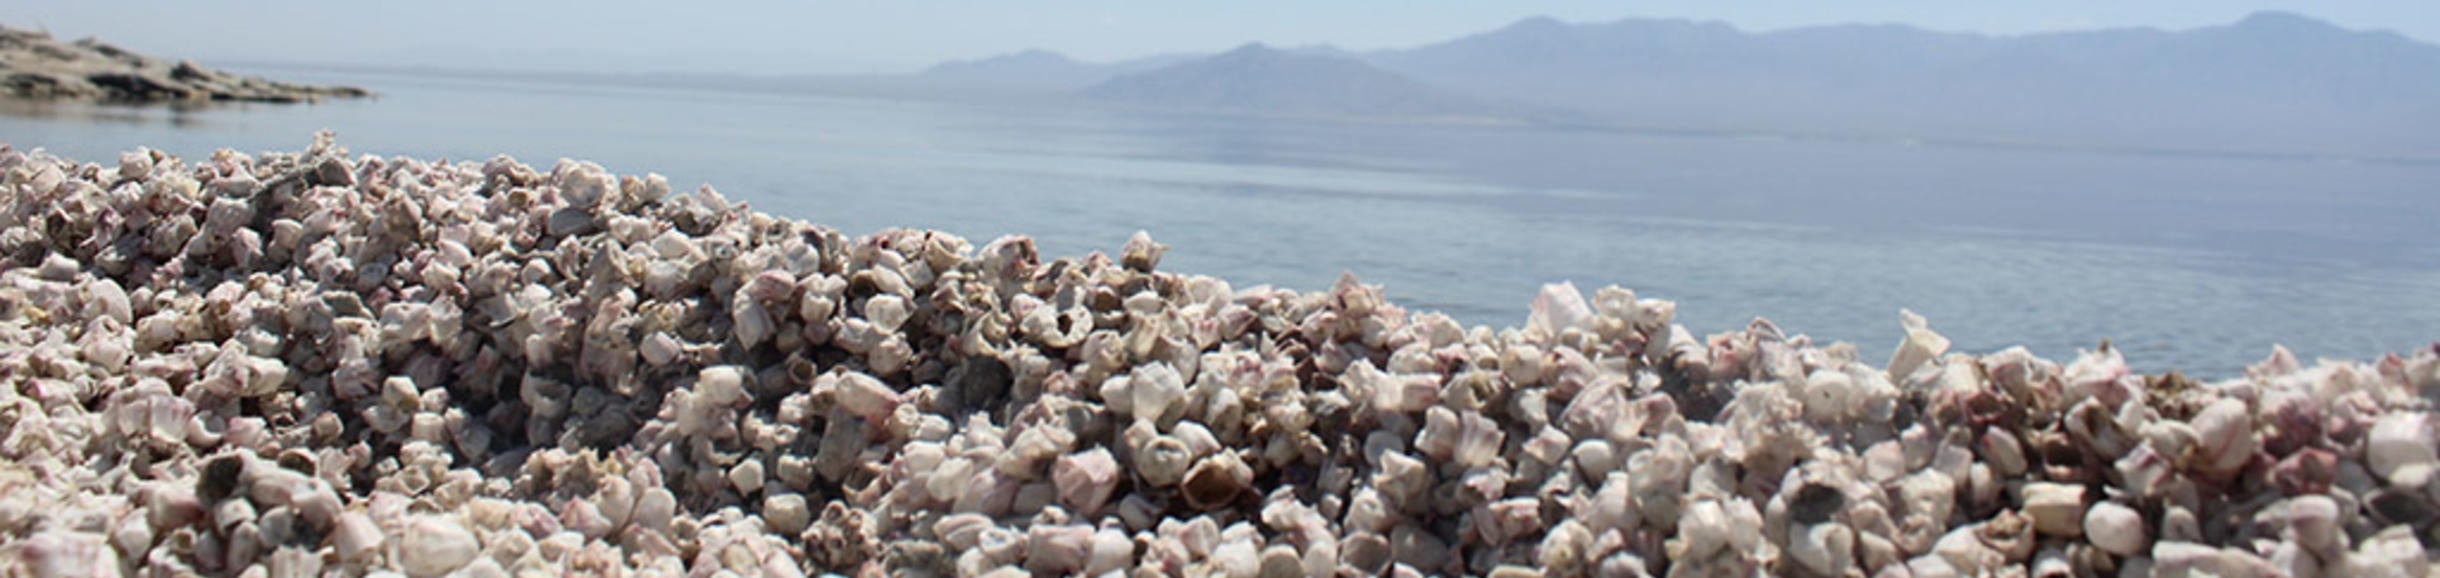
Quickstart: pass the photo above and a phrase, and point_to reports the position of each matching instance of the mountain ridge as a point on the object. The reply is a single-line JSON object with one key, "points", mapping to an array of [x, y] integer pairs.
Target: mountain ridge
{"points": [[1257, 78], [2269, 81]]}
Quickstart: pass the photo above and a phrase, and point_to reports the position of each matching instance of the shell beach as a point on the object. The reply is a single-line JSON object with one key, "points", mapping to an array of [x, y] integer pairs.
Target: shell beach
{"points": [[311, 363]]}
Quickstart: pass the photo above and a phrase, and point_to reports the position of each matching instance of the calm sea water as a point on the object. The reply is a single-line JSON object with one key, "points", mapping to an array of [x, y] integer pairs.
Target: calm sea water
{"points": [[2185, 261]]}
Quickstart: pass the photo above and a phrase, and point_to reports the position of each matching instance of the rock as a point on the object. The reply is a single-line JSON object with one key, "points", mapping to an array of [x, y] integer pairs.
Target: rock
{"points": [[47, 69]]}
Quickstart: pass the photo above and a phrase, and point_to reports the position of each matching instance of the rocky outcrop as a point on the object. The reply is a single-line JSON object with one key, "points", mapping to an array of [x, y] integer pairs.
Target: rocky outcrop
{"points": [[35, 66]]}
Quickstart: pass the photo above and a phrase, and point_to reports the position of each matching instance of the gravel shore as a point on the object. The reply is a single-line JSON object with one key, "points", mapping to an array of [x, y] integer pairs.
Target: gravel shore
{"points": [[307, 363]]}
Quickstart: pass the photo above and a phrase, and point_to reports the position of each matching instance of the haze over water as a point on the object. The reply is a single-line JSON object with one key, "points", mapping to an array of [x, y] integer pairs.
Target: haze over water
{"points": [[2186, 261]]}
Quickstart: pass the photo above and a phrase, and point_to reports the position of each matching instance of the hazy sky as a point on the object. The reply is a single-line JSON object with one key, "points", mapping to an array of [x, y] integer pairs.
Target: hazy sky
{"points": [[790, 37]]}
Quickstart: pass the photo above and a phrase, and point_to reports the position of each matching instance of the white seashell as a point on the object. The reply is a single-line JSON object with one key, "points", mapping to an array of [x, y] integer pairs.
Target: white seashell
{"points": [[963, 531], [1479, 441], [433, 546], [108, 299], [1154, 392], [1085, 480], [615, 498], [1112, 551], [2003, 452], [952, 477], [2172, 558], [2115, 528], [1559, 307], [1704, 529], [1826, 549], [355, 537], [1237, 559], [752, 321], [2314, 524], [1932, 566], [2291, 560], [863, 395], [660, 348], [586, 518], [1280, 561], [891, 356], [1921, 345], [1051, 548], [1830, 396], [2393, 551], [2056, 509], [1141, 254], [1401, 478], [2400, 449], [1595, 458], [1056, 328], [887, 312], [654, 509], [55, 552], [1506, 520], [786, 513], [747, 477], [769, 287], [1967, 553], [721, 386], [2227, 435]]}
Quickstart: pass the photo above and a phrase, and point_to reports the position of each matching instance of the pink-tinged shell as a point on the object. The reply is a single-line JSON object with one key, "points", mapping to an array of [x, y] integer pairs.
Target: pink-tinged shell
{"points": [[2227, 433], [1056, 549], [1557, 308], [1085, 480], [1141, 254], [863, 395], [2304, 472], [775, 287]]}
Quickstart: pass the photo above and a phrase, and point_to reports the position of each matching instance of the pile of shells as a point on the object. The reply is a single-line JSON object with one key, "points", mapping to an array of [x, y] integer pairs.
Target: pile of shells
{"points": [[301, 364]]}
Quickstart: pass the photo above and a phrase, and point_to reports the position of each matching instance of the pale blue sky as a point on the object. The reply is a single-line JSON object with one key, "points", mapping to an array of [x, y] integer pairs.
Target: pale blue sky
{"points": [[791, 37]]}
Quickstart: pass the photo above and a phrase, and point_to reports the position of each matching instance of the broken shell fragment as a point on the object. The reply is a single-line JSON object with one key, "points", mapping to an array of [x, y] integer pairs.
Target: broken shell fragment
{"points": [[2401, 448], [1216, 481]]}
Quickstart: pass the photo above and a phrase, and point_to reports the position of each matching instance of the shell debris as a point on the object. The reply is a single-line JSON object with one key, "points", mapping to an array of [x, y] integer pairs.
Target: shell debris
{"points": [[303, 363]]}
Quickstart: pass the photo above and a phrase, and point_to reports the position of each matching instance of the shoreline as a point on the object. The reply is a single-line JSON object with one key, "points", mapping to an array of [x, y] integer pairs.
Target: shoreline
{"points": [[309, 361]]}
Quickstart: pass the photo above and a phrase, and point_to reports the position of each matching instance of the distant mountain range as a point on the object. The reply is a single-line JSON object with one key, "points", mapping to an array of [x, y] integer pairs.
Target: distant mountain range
{"points": [[1260, 79], [1041, 70], [2271, 82]]}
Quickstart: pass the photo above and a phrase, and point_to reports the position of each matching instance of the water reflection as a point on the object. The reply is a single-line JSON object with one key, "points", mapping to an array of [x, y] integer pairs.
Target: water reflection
{"points": [[178, 114]]}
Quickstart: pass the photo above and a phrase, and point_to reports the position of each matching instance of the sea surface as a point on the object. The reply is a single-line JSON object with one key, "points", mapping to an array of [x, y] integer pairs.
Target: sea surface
{"points": [[2184, 260]]}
